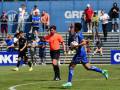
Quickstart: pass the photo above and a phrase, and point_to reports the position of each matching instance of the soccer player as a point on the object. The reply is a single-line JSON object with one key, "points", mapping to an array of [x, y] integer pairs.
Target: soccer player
{"points": [[81, 56], [22, 52], [54, 39]]}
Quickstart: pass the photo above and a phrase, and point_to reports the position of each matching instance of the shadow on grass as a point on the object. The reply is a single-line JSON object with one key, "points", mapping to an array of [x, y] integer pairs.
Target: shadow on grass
{"points": [[38, 80], [57, 88]]}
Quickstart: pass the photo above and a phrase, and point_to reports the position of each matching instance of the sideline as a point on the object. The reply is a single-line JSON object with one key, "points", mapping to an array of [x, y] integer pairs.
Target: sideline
{"points": [[19, 85]]}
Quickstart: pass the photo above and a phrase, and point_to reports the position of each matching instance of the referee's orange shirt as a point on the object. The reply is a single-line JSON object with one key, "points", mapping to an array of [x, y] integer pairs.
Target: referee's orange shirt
{"points": [[54, 41]]}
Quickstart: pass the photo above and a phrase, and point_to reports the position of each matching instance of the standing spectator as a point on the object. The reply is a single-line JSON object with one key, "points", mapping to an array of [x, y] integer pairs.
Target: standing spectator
{"points": [[95, 22], [114, 15], [54, 39], [88, 17], [34, 10], [104, 18], [21, 17], [35, 22], [22, 52], [71, 37], [45, 20], [4, 25], [32, 50], [42, 49]]}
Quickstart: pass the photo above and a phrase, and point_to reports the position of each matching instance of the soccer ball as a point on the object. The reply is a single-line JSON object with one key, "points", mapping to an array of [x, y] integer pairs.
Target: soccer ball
{"points": [[73, 44]]}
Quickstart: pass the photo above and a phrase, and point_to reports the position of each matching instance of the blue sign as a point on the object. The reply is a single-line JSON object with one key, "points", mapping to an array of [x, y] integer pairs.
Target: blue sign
{"points": [[8, 58], [115, 56], [62, 12]]}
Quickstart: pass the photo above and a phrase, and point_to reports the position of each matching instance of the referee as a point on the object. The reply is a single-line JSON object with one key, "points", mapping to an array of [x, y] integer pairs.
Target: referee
{"points": [[22, 52], [55, 40]]}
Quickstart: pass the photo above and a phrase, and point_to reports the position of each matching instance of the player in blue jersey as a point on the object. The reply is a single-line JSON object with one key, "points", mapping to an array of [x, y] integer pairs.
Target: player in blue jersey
{"points": [[81, 56]]}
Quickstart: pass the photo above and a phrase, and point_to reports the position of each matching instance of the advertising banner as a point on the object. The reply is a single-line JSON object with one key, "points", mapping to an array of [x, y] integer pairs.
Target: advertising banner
{"points": [[8, 58], [115, 56]]}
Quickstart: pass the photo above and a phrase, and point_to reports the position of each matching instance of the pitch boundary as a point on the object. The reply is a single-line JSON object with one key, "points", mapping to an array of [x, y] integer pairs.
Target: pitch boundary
{"points": [[19, 85]]}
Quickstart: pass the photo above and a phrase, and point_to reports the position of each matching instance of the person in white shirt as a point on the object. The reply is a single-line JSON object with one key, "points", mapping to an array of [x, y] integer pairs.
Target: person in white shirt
{"points": [[104, 18], [21, 17], [35, 9]]}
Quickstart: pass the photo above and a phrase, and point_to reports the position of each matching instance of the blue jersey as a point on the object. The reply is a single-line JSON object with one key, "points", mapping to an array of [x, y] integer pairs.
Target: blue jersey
{"points": [[42, 43], [81, 53], [36, 21], [42, 49], [10, 42]]}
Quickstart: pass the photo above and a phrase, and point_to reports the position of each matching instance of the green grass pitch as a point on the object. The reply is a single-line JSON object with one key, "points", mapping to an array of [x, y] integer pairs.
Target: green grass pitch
{"points": [[41, 78]]}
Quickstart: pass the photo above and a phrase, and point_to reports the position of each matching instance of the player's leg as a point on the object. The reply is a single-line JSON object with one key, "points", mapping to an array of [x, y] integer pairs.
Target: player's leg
{"points": [[70, 75], [55, 57], [71, 72], [56, 69], [28, 62], [18, 64], [88, 66]]}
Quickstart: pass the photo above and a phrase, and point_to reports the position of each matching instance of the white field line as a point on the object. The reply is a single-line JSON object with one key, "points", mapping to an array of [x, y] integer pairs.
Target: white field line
{"points": [[19, 85]]}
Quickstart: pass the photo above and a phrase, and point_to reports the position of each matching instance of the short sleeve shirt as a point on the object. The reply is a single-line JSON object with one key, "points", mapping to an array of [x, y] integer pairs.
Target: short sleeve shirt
{"points": [[54, 41]]}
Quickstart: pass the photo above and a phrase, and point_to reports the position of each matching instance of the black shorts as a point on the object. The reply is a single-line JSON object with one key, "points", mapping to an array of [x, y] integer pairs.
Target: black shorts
{"points": [[22, 54], [35, 29], [55, 54]]}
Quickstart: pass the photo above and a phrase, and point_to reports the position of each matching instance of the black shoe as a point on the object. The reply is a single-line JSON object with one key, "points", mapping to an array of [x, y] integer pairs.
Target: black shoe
{"points": [[57, 78]]}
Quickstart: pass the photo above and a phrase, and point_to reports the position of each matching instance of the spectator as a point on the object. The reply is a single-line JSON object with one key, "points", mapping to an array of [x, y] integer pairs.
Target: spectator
{"points": [[114, 15], [88, 17], [71, 37], [32, 49], [35, 22], [42, 50], [34, 10], [55, 40], [10, 43], [45, 20], [104, 18], [4, 25], [95, 22], [98, 48], [21, 17]]}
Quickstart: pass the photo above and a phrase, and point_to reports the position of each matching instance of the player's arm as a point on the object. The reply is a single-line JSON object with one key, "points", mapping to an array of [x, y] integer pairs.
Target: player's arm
{"points": [[10, 46], [63, 45], [24, 46], [61, 40], [83, 42]]}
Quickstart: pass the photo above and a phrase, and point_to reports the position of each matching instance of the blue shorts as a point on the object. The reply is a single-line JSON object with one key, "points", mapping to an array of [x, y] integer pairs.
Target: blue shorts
{"points": [[80, 56]]}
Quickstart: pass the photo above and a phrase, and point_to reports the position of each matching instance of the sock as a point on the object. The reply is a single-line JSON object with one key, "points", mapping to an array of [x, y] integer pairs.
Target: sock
{"points": [[70, 75], [29, 64], [56, 71], [18, 63], [94, 68]]}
